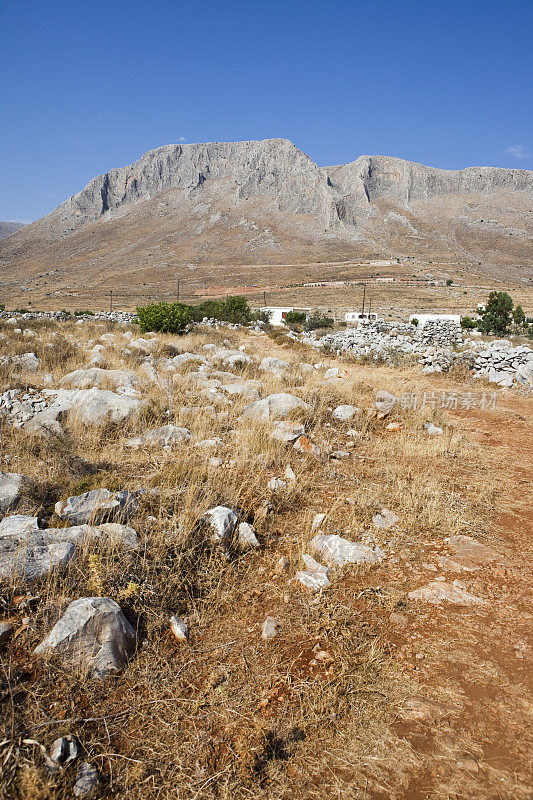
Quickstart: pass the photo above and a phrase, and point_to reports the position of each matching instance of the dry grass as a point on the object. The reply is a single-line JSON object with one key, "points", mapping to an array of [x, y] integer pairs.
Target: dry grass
{"points": [[229, 715]]}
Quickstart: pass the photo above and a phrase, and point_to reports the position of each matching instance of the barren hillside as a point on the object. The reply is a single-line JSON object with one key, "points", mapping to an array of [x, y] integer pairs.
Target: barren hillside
{"points": [[266, 202]]}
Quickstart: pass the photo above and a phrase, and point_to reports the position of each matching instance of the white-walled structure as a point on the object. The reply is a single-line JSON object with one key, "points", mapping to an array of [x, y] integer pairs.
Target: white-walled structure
{"points": [[423, 318], [278, 313]]}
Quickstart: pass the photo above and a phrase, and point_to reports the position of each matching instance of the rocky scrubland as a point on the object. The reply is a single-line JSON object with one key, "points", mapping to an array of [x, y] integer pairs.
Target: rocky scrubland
{"points": [[234, 564]]}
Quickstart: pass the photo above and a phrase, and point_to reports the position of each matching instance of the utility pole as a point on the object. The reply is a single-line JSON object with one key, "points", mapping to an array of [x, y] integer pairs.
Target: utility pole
{"points": [[364, 295], [264, 299], [111, 300], [178, 290], [370, 308]]}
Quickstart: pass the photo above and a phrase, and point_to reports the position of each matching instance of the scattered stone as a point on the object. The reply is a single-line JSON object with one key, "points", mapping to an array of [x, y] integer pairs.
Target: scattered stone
{"points": [[97, 506], [315, 576], [222, 521], [179, 629], [166, 436], [318, 519], [385, 519], [345, 412], [340, 455], [274, 407], [93, 633], [385, 402], [433, 430], [64, 750], [283, 564], [287, 431], [87, 780], [304, 445], [289, 473], [246, 536], [270, 628], [18, 525], [337, 552], [393, 427], [442, 592], [276, 485], [11, 485]]}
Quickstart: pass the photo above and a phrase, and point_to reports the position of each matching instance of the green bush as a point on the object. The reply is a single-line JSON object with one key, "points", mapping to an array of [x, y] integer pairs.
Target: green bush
{"points": [[449, 281], [414, 322], [163, 317], [232, 309], [295, 318], [519, 317], [318, 320], [85, 313], [468, 323], [496, 317]]}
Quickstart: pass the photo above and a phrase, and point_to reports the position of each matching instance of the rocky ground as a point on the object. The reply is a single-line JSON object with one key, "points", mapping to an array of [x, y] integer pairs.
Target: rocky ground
{"points": [[235, 564]]}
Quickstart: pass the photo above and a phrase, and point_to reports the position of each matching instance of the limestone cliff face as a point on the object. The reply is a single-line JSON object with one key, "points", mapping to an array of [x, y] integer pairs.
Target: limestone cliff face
{"points": [[267, 202], [274, 168]]}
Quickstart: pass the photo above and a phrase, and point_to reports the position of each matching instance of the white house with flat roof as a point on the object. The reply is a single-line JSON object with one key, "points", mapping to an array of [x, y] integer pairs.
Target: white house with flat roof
{"points": [[355, 317]]}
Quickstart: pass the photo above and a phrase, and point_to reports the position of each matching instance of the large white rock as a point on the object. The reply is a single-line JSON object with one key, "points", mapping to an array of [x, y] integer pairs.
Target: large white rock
{"points": [[274, 407], [92, 633], [336, 551], [29, 553], [10, 488], [524, 374], [222, 521], [97, 506], [123, 379]]}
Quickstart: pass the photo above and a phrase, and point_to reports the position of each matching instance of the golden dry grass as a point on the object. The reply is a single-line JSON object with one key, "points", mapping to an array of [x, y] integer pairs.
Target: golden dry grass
{"points": [[315, 713]]}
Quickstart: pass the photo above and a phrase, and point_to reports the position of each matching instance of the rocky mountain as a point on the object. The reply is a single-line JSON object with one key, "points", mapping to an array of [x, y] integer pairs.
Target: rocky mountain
{"points": [[7, 228], [263, 202]]}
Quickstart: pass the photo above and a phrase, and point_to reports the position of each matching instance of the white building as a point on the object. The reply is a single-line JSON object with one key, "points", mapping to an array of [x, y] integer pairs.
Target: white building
{"points": [[423, 318], [278, 313]]}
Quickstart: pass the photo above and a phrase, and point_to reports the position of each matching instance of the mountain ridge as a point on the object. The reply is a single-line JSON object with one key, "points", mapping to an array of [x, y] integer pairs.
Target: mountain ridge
{"points": [[262, 201]]}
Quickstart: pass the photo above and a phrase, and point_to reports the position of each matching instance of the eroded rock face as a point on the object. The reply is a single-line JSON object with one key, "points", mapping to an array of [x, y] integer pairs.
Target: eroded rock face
{"points": [[97, 506], [92, 633]]}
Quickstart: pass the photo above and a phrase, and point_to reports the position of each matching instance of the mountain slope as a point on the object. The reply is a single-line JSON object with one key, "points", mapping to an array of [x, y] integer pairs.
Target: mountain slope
{"points": [[7, 228], [266, 202]]}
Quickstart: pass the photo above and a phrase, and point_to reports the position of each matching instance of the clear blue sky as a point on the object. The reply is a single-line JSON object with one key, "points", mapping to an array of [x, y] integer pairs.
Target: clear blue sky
{"points": [[87, 86]]}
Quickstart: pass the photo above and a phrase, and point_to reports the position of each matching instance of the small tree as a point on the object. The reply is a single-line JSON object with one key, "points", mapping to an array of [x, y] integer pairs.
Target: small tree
{"points": [[317, 321], [496, 317], [449, 281], [519, 316], [295, 317], [468, 323], [414, 322], [163, 317]]}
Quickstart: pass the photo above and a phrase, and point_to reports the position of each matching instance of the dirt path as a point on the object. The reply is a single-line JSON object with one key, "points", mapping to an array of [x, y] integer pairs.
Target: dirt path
{"points": [[474, 735]]}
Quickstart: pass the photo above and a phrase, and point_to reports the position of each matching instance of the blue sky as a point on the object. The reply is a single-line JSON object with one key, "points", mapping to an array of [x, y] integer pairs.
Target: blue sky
{"points": [[87, 86]]}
